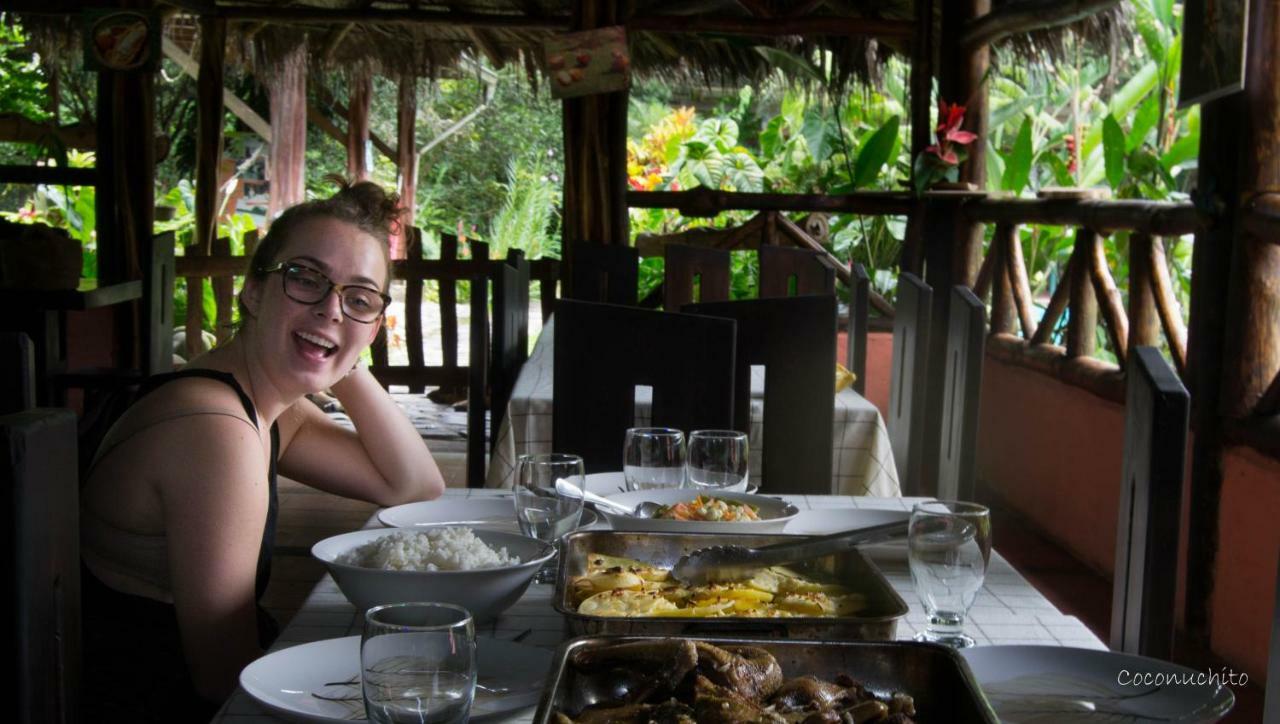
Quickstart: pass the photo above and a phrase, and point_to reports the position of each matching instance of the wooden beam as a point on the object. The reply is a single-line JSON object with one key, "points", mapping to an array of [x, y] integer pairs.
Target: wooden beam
{"points": [[287, 89], [486, 46], [50, 175], [314, 114], [773, 27], [922, 50], [209, 116], [20, 129], [370, 16], [1152, 217], [706, 202], [361, 91], [1110, 304], [1167, 307], [1028, 15], [255, 122], [407, 159]]}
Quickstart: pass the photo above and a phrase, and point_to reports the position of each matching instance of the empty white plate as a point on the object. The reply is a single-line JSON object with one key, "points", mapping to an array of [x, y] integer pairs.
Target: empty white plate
{"points": [[283, 681], [490, 513], [1032, 684]]}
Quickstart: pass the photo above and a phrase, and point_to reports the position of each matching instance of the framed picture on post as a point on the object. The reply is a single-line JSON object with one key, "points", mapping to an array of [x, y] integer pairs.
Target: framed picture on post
{"points": [[589, 62], [121, 40], [1214, 41]]}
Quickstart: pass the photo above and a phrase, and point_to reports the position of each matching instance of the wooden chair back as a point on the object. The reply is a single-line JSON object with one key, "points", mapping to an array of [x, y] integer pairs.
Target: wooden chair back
{"points": [[603, 351], [795, 339], [908, 381], [606, 273], [17, 372], [966, 335], [1157, 407], [510, 344], [157, 306], [783, 266], [38, 447], [688, 267], [859, 314]]}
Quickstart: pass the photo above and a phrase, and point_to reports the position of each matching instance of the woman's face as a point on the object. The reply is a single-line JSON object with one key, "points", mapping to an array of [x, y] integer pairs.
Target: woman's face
{"points": [[311, 346]]}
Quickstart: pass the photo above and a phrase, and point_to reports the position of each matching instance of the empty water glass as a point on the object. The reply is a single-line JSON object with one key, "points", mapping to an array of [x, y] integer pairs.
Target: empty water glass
{"points": [[544, 511], [949, 545], [418, 663], [653, 458], [718, 459]]}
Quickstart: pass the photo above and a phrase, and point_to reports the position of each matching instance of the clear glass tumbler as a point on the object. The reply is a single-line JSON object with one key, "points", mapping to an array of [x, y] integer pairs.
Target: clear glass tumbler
{"points": [[949, 545], [718, 459], [653, 458], [543, 511], [418, 663]]}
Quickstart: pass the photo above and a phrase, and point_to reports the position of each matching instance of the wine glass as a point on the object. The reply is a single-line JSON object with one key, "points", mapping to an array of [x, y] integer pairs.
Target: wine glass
{"points": [[718, 459], [418, 663], [949, 545], [542, 511], [653, 458]]}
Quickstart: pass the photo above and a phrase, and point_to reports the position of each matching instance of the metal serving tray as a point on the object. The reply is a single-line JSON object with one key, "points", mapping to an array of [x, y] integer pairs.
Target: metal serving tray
{"points": [[935, 676], [878, 621]]}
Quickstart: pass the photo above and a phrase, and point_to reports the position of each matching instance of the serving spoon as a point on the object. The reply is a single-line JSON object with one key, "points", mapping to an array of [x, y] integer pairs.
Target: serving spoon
{"points": [[647, 509]]}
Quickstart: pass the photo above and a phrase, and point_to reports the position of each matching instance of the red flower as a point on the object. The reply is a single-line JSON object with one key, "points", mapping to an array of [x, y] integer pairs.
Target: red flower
{"points": [[947, 156], [950, 118]]}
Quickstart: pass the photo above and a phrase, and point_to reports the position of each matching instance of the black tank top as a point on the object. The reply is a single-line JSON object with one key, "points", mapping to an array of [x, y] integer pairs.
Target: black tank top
{"points": [[134, 668]]}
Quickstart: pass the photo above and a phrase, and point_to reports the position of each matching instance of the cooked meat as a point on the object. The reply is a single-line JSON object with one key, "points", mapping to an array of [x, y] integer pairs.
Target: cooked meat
{"points": [[807, 693], [826, 716], [750, 672], [715, 704], [668, 712], [665, 662]]}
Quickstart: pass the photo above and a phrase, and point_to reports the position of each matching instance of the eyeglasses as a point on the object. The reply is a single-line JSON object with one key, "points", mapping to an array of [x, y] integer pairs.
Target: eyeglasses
{"points": [[309, 286]]}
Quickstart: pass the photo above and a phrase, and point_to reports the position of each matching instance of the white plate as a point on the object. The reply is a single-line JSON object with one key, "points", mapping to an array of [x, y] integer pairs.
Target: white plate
{"points": [[614, 483], [283, 681], [834, 520], [1031, 684], [774, 513], [489, 513]]}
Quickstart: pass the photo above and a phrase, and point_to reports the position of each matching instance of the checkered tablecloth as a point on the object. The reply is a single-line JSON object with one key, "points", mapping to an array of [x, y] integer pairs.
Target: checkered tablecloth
{"points": [[862, 457], [1008, 610]]}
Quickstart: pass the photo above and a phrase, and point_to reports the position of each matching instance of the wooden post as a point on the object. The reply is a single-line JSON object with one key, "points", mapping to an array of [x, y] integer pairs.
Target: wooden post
{"points": [[595, 155], [287, 88], [406, 159], [1110, 304], [1082, 323], [1144, 325], [1001, 289], [922, 50], [361, 84], [209, 109], [1020, 285]]}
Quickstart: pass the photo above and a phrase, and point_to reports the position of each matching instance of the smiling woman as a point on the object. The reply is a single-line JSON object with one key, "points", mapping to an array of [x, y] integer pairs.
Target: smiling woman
{"points": [[179, 505]]}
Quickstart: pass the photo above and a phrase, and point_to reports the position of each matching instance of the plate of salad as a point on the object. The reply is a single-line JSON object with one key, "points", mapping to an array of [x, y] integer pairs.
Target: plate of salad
{"points": [[703, 511]]}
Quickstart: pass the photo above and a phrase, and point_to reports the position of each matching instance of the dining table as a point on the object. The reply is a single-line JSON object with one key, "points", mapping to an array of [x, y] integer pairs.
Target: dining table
{"points": [[862, 455], [1007, 610]]}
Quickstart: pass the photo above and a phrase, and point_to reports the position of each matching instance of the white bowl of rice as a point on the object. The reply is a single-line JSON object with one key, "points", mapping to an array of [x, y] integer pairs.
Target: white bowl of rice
{"points": [[484, 571]]}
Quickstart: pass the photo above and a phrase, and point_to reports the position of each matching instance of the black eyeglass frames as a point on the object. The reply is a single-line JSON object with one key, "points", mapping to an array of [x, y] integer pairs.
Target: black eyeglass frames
{"points": [[305, 285]]}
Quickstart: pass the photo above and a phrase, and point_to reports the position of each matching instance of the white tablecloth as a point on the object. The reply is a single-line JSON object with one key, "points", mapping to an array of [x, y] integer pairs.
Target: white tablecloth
{"points": [[1008, 610], [862, 457]]}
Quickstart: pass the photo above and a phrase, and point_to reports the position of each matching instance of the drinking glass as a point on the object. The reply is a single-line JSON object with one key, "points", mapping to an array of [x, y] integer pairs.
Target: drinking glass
{"points": [[652, 458], [542, 511], [949, 544], [718, 459], [418, 663]]}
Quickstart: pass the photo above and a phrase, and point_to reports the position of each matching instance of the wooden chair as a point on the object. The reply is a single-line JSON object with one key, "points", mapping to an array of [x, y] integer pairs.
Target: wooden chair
{"points": [[859, 314], [908, 381], [795, 339], [510, 343], [783, 266], [604, 273], [686, 267], [603, 351], [17, 372], [1155, 443], [966, 335], [39, 468]]}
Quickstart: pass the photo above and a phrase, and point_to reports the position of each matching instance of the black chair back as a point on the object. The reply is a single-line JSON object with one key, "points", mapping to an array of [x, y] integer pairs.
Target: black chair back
{"points": [[17, 372], [1157, 407], [686, 265], [510, 333], [604, 273], [780, 266], [908, 381], [966, 333], [795, 339], [39, 468], [603, 351], [859, 314], [157, 301]]}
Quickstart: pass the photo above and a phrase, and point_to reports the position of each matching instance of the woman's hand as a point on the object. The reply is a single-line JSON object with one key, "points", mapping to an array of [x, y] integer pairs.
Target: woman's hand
{"points": [[384, 461]]}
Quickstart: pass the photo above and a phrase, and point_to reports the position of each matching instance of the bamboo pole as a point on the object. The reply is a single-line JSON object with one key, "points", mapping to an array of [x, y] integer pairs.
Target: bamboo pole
{"points": [[1017, 270], [407, 159], [209, 119], [1001, 290], [1144, 324], [982, 286], [1152, 217], [1110, 303], [1083, 321], [1057, 305], [287, 88], [358, 123], [1166, 303]]}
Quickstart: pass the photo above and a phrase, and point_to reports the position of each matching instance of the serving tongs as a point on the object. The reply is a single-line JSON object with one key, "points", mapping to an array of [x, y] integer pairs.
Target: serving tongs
{"points": [[724, 564]]}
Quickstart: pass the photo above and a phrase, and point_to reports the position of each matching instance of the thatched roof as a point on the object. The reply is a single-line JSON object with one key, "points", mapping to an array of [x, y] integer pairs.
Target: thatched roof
{"points": [[423, 38]]}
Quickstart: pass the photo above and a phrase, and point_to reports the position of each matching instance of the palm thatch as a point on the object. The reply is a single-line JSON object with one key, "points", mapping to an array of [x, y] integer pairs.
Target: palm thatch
{"points": [[395, 37]]}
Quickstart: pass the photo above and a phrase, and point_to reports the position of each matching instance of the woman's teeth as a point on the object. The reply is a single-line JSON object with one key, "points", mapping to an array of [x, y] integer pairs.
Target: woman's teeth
{"points": [[320, 342]]}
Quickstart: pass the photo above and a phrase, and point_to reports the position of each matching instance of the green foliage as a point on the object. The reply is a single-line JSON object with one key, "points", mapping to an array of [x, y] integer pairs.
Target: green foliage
{"points": [[527, 218], [1017, 168], [23, 89]]}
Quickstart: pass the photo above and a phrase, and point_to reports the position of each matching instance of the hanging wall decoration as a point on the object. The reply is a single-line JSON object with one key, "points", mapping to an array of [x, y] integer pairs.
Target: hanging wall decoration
{"points": [[121, 40], [592, 61]]}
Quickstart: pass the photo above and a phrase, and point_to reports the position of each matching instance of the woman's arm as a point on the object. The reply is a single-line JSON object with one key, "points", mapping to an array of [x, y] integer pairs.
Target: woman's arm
{"points": [[384, 461], [214, 501]]}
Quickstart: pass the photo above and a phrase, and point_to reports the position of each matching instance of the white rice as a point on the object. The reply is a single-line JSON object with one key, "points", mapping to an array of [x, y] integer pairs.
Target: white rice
{"points": [[439, 549]]}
